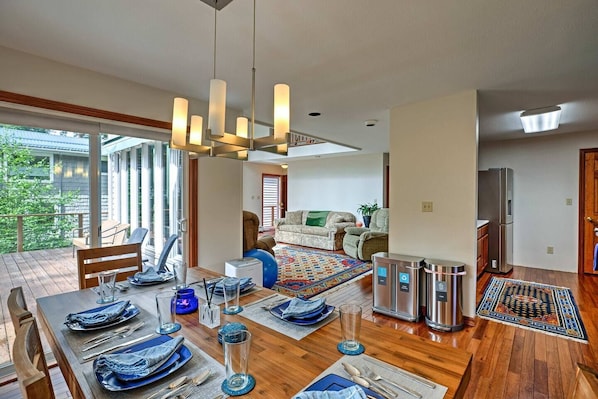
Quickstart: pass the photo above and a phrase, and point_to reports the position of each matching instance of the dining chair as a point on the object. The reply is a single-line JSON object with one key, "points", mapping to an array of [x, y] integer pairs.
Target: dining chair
{"points": [[17, 307], [586, 383], [30, 362], [126, 259]]}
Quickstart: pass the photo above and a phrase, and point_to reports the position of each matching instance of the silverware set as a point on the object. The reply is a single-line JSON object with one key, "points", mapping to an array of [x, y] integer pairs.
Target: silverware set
{"points": [[181, 387], [122, 332], [377, 383], [127, 343]]}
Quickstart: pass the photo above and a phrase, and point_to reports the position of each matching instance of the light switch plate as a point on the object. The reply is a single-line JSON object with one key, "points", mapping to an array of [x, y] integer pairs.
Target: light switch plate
{"points": [[427, 206]]}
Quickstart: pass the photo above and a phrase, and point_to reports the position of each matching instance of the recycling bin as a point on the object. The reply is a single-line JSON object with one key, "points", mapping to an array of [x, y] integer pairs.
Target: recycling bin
{"points": [[444, 302], [397, 285]]}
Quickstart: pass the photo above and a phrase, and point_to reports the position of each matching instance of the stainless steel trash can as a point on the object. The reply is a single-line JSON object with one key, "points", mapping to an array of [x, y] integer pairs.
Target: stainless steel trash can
{"points": [[397, 285], [444, 304]]}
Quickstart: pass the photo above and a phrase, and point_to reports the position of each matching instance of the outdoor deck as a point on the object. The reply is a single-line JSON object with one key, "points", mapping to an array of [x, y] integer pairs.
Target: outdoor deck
{"points": [[40, 273]]}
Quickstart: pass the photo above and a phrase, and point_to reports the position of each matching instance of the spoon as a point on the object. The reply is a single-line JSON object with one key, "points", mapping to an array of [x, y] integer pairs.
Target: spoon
{"points": [[173, 385], [364, 383], [360, 379], [201, 377]]}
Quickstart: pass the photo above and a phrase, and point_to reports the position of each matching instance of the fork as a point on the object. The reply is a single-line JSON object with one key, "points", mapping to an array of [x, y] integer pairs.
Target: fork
{"points": [[122, 334], [377, 377]]}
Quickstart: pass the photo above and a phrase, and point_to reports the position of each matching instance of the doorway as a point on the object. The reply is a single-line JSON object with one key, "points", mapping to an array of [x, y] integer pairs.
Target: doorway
{"points": [[588, 211], [274, 199]]}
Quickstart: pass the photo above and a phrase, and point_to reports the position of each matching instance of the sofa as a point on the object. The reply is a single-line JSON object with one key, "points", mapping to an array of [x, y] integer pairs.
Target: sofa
{"points": [[363, 242], [317, 229]]}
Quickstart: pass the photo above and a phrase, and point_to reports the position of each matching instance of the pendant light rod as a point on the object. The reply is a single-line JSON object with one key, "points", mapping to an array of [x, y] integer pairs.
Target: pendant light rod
{"points": [[215, 10], [252, 134]]}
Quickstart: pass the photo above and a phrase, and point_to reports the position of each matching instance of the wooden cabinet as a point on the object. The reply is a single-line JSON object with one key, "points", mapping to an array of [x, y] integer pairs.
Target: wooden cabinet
{"points": [[482, 249]]}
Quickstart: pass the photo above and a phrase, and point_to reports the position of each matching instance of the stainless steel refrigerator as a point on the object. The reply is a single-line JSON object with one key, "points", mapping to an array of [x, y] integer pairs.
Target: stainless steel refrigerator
{"points": [[495, 204]]}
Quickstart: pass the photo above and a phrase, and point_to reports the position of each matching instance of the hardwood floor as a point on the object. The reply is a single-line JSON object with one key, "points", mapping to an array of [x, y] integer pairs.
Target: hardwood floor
{"points": [[509, 362]]}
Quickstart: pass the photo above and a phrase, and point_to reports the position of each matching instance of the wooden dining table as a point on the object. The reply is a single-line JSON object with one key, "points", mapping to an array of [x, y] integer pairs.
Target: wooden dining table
{"points": [[281, 365]]}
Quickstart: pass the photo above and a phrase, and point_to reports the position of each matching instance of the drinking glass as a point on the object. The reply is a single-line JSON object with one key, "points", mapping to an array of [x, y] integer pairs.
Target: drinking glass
{"points": [[236, 359], [106, 286], [180, 275], [350, 317], [166, 306], [231, 288]]}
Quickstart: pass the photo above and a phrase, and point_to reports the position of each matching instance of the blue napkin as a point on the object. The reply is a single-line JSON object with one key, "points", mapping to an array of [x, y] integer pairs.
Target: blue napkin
{"points": [[94, 318], [300, 307], [141, 363], [149, 276], [243, 282], [353, 392]]}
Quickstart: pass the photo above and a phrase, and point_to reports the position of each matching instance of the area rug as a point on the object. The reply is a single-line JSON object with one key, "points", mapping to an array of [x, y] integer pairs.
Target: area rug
{"points": [[304, 272], [538, 307]]}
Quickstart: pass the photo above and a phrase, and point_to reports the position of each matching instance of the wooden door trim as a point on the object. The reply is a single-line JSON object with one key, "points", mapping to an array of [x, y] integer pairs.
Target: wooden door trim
{"points": [[581, 209]]}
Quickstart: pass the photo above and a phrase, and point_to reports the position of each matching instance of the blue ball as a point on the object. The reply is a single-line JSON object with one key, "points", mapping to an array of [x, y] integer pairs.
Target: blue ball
{"points": [[270, 267]]}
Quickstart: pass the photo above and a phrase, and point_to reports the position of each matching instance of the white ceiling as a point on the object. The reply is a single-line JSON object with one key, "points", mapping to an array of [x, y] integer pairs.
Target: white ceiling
{"points": [[351, 60]]}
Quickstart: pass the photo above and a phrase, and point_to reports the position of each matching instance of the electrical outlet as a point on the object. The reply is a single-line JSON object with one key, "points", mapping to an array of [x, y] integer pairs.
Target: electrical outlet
{"points": [[569, 201], [550, 250], [427, 206]]}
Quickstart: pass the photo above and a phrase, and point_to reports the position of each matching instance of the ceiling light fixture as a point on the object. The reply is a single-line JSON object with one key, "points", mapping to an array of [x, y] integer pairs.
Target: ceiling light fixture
{"points": [[284, 165], [541, 119], [221, 143]]}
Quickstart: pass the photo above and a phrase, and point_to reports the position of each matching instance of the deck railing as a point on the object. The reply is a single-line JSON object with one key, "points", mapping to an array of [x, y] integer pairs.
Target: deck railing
{"points": [[26, 232]]}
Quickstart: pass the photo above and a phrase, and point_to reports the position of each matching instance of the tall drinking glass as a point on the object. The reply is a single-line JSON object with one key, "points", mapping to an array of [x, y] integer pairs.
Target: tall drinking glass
{"points": [[106, 286], [350, 317], [166, 306], [180, 275], [231, 288], [236, 360]]}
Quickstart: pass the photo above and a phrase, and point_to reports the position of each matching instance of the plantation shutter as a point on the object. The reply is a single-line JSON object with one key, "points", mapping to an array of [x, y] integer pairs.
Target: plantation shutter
{"points": [[270, 200]]}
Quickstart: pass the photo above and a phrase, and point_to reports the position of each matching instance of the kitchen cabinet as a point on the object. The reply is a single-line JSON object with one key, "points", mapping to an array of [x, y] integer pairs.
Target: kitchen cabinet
{"points": [[482, 260]]}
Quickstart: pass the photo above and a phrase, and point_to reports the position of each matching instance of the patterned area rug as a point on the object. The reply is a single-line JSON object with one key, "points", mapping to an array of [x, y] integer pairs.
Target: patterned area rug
{"points": [[304, 272], [539, 307]]}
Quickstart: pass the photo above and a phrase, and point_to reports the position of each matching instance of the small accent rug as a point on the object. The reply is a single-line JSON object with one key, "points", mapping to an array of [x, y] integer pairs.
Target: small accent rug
{"points": [[304, 272], [538, 307]]}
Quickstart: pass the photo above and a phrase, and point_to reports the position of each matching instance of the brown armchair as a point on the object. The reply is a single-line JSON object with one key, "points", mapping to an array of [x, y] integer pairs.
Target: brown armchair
{"points": [[251, 226]]}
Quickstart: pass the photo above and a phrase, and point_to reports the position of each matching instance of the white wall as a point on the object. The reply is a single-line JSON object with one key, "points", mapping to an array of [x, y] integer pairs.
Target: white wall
{"points": [[433, 147], [546, 173], [337, 184], [220, 213], [252, 185]]}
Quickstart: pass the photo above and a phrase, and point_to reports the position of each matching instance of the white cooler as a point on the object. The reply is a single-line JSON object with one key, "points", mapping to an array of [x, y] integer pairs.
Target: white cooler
{"points": [[245, 267]]}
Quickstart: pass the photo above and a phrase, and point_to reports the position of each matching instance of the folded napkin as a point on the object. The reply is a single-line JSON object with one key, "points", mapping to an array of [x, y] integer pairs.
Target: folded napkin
{"points": [[106, 315], [149, 276], [300, 307], [243, 282], [353, 392], [141, 363]]}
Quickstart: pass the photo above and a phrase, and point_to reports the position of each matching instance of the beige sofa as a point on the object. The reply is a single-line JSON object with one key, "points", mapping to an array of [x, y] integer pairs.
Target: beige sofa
{"points": [[325, 231]]}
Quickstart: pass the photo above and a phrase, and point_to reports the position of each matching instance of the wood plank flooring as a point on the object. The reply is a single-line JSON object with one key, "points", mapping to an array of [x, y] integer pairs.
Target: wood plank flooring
{"points": [[509, 362]]}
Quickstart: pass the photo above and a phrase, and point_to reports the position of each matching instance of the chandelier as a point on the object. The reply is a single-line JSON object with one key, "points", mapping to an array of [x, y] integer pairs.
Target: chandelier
{"points": [[215, 141]]}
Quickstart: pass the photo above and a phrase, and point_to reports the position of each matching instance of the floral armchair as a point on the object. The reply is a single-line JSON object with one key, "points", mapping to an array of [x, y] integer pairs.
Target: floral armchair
{"points": [[363, 242]]}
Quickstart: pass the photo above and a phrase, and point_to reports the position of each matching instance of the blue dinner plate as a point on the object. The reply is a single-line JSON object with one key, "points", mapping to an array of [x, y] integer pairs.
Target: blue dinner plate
{"points": [[166, 276], [130, 312], [111, 382], [333, 382], [327, 311]]}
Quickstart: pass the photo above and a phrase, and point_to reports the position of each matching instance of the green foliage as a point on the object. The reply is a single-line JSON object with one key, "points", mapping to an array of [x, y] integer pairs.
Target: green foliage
{"points": [[367, 209], [23, 192]]}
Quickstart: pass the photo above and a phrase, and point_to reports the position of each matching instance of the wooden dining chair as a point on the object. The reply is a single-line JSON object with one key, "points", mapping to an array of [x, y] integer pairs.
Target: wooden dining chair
{"points": [[30, 362], [17, 307], [126, 259], [586, 383]]}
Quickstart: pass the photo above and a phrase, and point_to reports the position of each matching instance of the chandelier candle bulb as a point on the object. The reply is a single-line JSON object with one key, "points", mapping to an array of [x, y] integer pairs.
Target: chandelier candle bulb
{"points": [[282, 113], [179, 121], [196, 129], [217, 107], [242, 126]]}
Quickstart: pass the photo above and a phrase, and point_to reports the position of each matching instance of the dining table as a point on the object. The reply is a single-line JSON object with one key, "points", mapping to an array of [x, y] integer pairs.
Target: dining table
{"points": [[281, 365]]}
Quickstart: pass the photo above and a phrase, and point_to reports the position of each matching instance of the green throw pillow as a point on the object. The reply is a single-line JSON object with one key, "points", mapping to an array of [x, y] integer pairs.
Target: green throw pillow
{"points": [[316, 218]]}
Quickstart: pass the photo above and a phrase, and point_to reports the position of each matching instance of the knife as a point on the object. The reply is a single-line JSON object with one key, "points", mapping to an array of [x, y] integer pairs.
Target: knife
{"points": [[92, 355]]}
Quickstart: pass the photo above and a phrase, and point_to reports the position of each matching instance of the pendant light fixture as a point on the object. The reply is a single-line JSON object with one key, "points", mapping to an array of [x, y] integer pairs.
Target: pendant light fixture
{"points": [[216, 141]]}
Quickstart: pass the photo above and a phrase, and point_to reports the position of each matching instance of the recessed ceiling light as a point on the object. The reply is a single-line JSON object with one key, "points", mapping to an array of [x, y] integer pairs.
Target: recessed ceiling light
{"points": [[314, 114], [541, 119], [371, 122]]}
